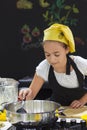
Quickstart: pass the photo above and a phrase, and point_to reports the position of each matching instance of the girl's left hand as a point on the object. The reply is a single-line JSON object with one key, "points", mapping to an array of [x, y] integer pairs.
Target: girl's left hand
{"points": [[76, 104]]}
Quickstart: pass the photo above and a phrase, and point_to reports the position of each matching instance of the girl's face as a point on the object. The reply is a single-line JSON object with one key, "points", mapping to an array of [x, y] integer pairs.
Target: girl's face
{"points": [[55, 53]]}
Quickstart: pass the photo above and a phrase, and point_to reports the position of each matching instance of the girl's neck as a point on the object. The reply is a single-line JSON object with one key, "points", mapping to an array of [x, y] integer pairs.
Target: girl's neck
{"points": [[62, 67]]}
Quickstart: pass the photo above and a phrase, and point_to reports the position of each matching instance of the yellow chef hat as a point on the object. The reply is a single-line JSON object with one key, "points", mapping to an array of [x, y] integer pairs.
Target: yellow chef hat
{"points": [[61, 33]]}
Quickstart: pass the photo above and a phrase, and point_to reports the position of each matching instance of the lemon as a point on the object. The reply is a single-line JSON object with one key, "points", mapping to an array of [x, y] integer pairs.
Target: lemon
{"points": [[37, 117], [84, 117], [56, 113], [3, 115]]}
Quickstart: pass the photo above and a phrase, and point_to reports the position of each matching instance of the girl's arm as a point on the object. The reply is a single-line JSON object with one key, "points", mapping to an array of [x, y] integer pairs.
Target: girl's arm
{"points": [[31, 92]]}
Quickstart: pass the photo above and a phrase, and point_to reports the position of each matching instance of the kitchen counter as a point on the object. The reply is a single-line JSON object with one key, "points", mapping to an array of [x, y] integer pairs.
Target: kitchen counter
{"points": [[6, 124]]}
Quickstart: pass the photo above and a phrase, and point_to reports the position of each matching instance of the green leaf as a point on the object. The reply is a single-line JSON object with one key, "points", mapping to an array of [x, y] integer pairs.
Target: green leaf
{"points": [[62, 1], [73, 5], [45, 15], [51, 17], [66, 22], [59, 3], [63, 18], [75, 10], [52, 7], [67, 7]]}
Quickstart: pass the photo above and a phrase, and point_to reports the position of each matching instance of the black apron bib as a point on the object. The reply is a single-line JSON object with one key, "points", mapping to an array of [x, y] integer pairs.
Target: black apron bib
{"points": [[63, 95]]}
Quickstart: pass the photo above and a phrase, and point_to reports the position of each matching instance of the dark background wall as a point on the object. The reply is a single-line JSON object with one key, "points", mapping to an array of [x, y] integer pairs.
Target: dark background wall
{"points": [[16, 63]]}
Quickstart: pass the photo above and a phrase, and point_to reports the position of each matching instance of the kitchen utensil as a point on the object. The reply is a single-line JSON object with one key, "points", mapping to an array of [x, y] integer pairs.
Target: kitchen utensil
{"points": [[61, 111], [8, 90], [1, 108], [38, 111], [21, 109]]}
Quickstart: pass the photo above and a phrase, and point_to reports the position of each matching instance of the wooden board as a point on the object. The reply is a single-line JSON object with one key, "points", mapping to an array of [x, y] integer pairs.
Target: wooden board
{"points": [[70, 112]]}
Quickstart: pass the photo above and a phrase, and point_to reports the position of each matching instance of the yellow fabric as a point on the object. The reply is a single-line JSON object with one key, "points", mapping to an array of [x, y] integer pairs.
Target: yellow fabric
{"points": [[61, 33]]}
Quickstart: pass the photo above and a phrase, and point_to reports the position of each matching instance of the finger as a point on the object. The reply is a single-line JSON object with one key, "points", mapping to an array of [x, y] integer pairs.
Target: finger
{"points": [[22, 94], [76, 104], [29, 96]]}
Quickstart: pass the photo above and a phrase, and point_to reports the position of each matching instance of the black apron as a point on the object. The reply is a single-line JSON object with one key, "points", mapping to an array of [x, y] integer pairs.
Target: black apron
{"points": [[63, 95]]}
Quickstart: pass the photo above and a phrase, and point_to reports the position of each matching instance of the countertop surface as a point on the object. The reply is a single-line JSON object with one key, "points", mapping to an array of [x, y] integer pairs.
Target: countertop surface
{"points": [[5, 124]]}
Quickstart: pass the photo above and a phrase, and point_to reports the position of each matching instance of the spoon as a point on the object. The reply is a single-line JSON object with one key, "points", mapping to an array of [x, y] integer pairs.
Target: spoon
{"points": [[1, 108], [21, 109]]}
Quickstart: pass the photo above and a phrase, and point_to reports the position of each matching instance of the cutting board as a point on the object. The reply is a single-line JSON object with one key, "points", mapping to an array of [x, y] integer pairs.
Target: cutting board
{"points": [[76, 113]]}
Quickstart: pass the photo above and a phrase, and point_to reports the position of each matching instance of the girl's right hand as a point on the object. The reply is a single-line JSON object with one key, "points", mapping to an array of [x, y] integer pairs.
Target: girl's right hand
{"points": [[25, 94]]}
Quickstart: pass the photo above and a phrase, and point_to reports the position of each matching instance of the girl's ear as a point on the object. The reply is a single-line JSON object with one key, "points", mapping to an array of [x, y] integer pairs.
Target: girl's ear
{"points": [[67, 50]]}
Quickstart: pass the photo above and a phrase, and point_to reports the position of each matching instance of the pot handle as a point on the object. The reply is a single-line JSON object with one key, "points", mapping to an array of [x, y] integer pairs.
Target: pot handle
{"points": [[2, 106], [59, 111]]}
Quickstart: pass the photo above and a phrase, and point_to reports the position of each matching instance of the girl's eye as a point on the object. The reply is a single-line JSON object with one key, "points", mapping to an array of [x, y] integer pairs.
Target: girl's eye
{"points": [[57, 55], [47, 55]]}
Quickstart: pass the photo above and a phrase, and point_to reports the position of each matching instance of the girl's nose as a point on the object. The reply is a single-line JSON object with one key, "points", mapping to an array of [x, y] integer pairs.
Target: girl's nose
{"points": [[52, 59]]}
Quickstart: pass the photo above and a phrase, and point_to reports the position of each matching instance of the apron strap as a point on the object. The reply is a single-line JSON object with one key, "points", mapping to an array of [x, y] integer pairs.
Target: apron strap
{"points": [[78, 73]]}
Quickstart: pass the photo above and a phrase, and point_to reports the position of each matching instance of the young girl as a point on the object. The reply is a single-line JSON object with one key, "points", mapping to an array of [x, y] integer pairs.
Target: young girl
{"points": [[65, 73]]}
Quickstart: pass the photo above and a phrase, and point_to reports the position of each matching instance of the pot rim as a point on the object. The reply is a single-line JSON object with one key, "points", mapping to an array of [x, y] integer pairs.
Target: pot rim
{"points": [[28, 113]]}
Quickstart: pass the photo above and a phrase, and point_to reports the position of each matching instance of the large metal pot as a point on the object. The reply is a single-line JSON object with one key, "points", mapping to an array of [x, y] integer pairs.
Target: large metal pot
{"points": [[8, 90], [38, 111]]}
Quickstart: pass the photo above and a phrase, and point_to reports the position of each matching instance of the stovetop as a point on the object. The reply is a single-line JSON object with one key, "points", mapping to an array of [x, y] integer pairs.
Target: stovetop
{"points": [[60, 124]]}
